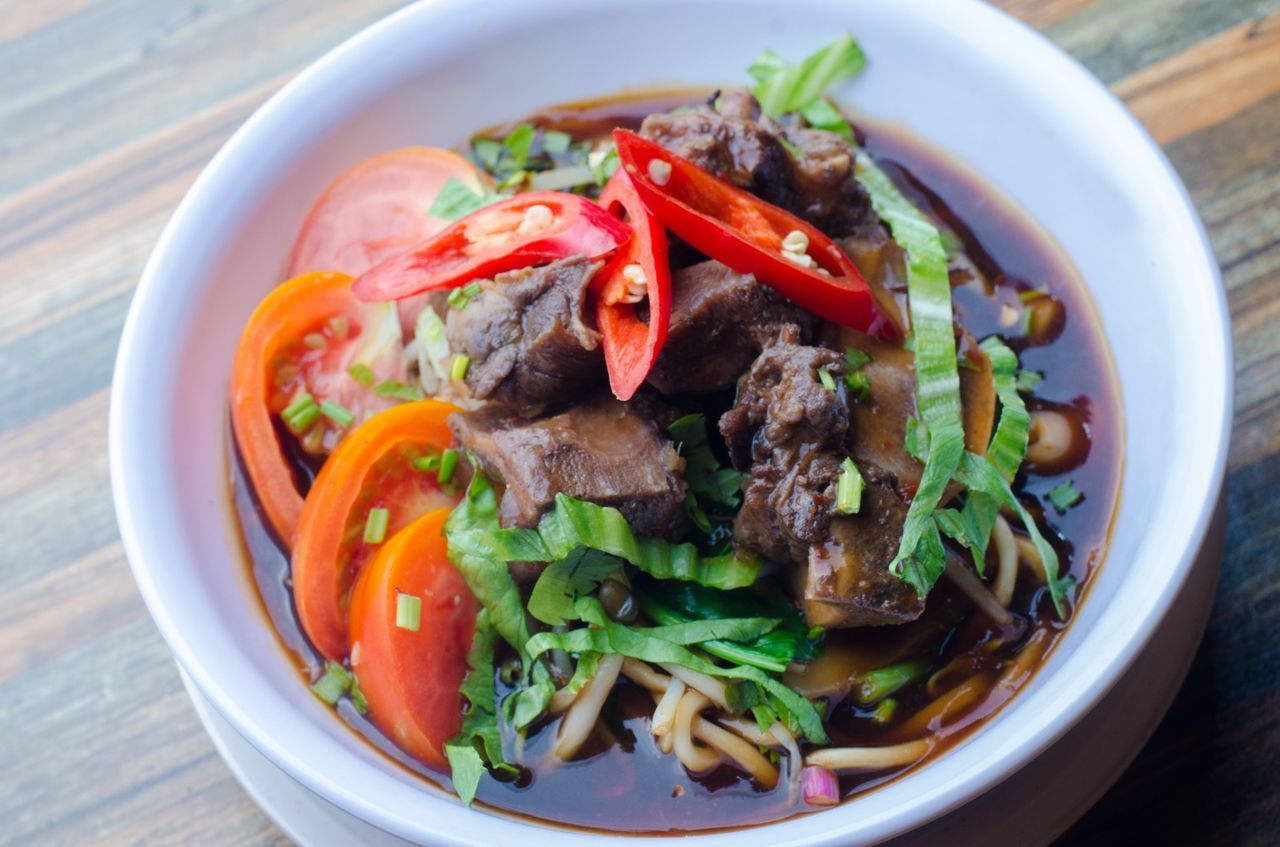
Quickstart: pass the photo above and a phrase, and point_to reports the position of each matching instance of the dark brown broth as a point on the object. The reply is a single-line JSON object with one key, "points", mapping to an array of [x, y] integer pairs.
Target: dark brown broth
{"points": [[623, 783]]}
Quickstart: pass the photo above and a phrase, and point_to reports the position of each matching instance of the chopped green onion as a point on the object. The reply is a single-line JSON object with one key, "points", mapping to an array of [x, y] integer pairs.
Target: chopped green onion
{"points": [[362, 374], [1032, 294], [458, 370], [558, 179], [1024, 322], [1065, 496], [820, 114], [554, 141], [336, 413], [518, 144], [301, 413], [333, 684], [603, 163], [488, 152], [849, 489], [824, 377], [375, 526], [859, 385], [459, 297], [448, 461], [357, 696], [397, 390], [1028, 380], [875, 685], [408, 611], [426, 463], [855, 358], [515, 179], [883, 713]]}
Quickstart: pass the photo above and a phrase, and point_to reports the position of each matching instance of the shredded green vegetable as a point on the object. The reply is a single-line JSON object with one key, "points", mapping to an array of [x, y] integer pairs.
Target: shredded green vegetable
{"points": [[478, 744], [786, 88], [918, 561]]}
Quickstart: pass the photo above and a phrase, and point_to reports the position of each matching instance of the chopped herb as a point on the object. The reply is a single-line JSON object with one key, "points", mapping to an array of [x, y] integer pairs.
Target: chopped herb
{"points": [[1065, 496], [855, 358], [828, 381], [518, 143], [882, 682], [820, 114], [488, 152], [336, 413], [357, 696], [849, 489], [1028, 380], [703, 473], [375, 526], [408, 611], [333, 684], [458, 370], [559, 179], [603, 163], [457, 199], [859, 385], [362, 374], [554, 141], [459, 297], [426, 463], [397, 390], [515, 179], [786, 88], [883, 713], [301, 413], [448, 461]]}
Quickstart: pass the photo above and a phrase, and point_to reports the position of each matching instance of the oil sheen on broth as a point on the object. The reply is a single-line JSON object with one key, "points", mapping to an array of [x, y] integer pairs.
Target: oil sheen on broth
{"points": [[620, 781]]}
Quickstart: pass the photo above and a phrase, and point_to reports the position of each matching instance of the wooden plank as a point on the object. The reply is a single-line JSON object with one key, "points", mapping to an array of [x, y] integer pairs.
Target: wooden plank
{"points": [[18, 17], [1042, 14], [1209, 83]]}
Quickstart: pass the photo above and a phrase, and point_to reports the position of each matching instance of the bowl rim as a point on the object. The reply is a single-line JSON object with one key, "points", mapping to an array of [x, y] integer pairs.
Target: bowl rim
{"points": [[1037, 736]]}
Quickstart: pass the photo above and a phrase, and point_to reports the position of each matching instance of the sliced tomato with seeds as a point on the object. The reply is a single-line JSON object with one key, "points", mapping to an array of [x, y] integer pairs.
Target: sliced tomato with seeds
{"points": [[412, 619], [292, 379], [373, 468]]}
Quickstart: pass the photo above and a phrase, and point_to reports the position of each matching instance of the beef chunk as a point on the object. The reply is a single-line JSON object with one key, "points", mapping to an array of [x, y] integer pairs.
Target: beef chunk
{"points": [[782, 407], [530, 340], [720, 321], [600, 450], [815, 180], [793, 434], [846, 582]]}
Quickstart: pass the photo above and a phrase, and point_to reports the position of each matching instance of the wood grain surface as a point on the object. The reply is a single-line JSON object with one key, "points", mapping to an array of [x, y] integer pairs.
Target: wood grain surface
{"points": [[109, 108]]}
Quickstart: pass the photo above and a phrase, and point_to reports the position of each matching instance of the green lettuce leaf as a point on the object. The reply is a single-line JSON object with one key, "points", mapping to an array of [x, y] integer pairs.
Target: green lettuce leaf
{"points": [[457, 200], [786, 88], [702, 472], [478, 744], [560, 582]]}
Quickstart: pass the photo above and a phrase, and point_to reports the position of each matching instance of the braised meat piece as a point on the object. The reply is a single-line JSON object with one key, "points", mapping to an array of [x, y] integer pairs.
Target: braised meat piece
{"points": [[529, 337], [600, 450], [792, 434], [815, 180], [720, 321], [846, 582]]}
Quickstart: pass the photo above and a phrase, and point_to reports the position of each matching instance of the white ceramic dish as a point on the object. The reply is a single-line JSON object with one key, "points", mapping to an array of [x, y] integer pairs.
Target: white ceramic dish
{"points": [[995, 95]]}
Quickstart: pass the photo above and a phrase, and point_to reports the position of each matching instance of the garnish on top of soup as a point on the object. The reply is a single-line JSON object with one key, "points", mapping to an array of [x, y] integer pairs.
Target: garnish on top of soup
{"points": [[671, 450]]}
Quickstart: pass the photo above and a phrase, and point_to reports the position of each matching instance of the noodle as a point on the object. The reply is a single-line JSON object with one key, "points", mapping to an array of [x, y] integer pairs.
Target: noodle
{"points": [[977, 591], [641, 674], [870, 758], [742, 753], [664, 716], [578, 722], [696, 759], [954, 701], [1007, 553], [1051, 437], [710, 686]]}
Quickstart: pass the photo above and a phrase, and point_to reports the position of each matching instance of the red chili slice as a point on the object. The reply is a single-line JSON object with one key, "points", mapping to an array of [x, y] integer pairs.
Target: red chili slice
{"points": [[631, 346], [502, 236], [744, 232]]}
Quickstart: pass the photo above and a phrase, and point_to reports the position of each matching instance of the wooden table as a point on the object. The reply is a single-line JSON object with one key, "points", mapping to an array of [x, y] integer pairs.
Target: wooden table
{"points": [[109, 108]]}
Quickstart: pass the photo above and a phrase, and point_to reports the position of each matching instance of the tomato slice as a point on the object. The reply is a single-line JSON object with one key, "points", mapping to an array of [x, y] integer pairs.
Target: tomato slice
{"points": [[377, 209], [411, 676], [749, 235], [303, 337], [631, 345], [372, 468], [528, 229]]}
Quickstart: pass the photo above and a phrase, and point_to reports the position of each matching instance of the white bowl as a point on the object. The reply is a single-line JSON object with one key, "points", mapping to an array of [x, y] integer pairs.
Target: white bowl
{"points": [[995, 95]]}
